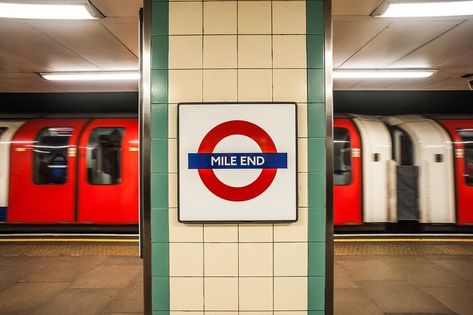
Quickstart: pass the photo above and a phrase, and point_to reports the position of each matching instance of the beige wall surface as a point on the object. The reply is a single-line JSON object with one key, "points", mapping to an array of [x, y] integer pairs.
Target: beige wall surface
{"points": [[229, 51]]}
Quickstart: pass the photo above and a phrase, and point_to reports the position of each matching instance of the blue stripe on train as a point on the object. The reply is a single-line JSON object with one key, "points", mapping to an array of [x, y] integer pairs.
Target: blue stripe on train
{"points": [[3, 214]]}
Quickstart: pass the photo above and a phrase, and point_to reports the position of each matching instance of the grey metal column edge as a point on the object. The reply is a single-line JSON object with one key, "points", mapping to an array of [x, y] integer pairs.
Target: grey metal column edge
{"points": [[329, 258], [145, 154]]}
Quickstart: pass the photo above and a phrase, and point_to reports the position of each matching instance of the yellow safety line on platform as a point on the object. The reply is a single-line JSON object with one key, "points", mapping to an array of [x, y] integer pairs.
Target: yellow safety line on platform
{"points": [[381, 240], [91, 240]]}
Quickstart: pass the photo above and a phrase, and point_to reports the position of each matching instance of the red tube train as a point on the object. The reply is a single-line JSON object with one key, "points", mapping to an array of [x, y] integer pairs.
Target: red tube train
{"points": [[84, 172], [75, 171], [403, 168]]}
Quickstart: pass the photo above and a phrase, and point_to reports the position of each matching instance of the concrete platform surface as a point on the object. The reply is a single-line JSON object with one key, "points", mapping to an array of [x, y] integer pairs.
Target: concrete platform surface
{"points": [[368, 280]]}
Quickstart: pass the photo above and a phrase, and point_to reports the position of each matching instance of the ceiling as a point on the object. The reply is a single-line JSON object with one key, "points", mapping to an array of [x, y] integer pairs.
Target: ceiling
{"points": [[360, 41]]}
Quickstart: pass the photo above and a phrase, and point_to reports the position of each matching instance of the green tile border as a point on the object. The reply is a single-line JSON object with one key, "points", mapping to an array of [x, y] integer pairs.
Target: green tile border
{"points": [[159, 158], [316, 120]]}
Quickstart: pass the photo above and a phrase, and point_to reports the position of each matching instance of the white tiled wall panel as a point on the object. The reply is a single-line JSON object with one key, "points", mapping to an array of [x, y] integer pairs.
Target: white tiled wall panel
{"points": [[233, 51]]}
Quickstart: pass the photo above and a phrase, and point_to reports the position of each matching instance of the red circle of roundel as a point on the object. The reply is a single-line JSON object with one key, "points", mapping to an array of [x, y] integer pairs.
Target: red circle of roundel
{"points": [[252, 131]]}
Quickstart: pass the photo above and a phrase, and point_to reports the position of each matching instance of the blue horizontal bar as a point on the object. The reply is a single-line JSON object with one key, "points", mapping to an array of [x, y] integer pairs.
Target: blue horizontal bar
{"points": [[237, 160]]}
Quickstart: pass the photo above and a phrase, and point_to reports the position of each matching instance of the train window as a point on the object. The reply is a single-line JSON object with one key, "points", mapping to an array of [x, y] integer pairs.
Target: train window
{"points": [[342, 157], [438, 158], [104, 156], [467, 141], [50, 155], [2, 130]]}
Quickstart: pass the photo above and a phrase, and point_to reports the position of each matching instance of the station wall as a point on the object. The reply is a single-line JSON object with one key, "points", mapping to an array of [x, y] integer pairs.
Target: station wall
{"points": [[231, 51]]}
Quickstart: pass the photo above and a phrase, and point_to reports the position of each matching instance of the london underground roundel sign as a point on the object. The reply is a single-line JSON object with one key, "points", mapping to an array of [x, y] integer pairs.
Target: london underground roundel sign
{"points": [[237, 162]]}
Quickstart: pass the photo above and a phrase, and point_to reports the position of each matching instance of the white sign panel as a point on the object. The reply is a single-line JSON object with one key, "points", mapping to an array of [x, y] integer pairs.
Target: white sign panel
{"points": [[237, 162]]}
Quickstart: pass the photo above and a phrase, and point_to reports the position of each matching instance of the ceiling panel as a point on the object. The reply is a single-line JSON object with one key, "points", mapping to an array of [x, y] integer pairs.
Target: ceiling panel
{"points": [[114, 8], [22, 48], [126, 32], [401, 38], [91, 41], [446, 50], [354, 7], [349, 36]]}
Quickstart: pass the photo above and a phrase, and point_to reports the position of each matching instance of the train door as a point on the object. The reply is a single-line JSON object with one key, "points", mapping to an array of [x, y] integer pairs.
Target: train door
{"points": [[461, 132], [347, 173], [42, 171], [465, 188], [108, 172], [407, 176]]}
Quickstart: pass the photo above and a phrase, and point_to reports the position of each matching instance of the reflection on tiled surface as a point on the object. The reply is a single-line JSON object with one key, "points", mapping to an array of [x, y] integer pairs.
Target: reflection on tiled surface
{"points": [[364, 284]]}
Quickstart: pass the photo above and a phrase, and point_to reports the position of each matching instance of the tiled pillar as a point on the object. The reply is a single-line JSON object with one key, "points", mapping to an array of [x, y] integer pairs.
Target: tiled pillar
{"points": [[238, 51]]}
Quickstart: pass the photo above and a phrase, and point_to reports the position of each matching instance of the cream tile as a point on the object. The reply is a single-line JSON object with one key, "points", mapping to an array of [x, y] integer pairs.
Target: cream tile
{"points": [[172, 190], [172, 156], [290, 85], [220, 85], [220, 17], [292, 313], [256, 233], [255, 85], [221, 294], [290, 293], [254, 17], [222, 313], [302, 164], [185, 52], [186, 313], [186, 294], [220, 51], [293, 232], [302, 120], [289, 51], [256, 259], [254, 51], [172, 121], [221, 259], [180, 232], [180, 254], [302, 182], [290, 259], [221, 233], [256, 294], [185, 18], [185, 86], [289, 17]]}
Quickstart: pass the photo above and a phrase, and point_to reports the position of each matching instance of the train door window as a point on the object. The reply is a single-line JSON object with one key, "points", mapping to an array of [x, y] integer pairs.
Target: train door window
{"points": [[50, 155], [2, 130], [467, 141], [342, 157], [403, 149], [104, 156]]}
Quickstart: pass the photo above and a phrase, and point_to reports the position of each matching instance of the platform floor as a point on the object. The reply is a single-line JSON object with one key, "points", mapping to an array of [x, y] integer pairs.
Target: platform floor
{"points": [[370, 278]]}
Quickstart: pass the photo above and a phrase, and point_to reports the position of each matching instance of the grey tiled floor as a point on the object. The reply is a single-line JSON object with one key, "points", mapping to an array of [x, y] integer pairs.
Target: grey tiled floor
{"points": [[420, 284], [387, 284], [66, 285]]}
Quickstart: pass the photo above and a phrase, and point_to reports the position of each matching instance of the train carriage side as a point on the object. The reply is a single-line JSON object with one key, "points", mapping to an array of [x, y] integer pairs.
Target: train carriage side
{"points": [[7, 132], [108, 172], [461, 132], [42, 171], [347, 187], [424, 174]]}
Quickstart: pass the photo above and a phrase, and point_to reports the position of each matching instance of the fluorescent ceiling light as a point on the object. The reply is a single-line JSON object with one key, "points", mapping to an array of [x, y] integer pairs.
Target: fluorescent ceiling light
{"points": [[91, 76], [381, 74], [423, 8], [70, 10]]}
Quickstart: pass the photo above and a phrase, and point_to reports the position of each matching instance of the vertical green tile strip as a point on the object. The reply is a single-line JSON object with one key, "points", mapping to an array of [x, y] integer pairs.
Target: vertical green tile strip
{"points": [[316, 155], [159, 158]]}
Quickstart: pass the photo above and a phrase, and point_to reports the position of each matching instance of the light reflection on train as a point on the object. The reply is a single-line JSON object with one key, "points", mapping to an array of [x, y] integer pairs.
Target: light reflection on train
{"points": [[386, 169]]}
